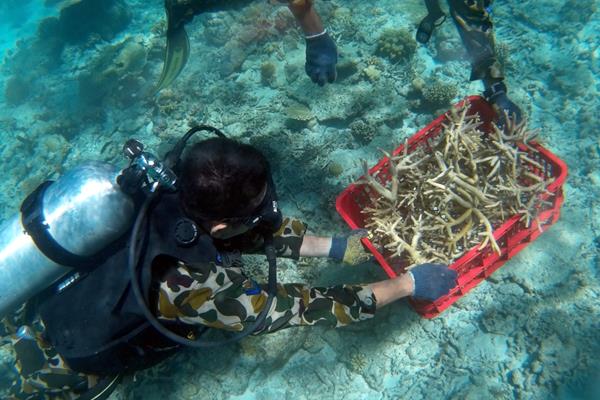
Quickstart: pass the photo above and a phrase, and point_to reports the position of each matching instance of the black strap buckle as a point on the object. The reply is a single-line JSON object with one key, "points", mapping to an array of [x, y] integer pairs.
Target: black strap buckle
{"points": [[494, 90], [34, 224]]}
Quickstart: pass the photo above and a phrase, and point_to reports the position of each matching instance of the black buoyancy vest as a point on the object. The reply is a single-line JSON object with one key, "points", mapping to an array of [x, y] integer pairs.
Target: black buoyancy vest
{"points": [[96, 324]]}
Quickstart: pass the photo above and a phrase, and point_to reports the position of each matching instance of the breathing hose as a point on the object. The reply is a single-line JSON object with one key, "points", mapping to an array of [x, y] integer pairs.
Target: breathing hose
{"points": [[171, 160]]}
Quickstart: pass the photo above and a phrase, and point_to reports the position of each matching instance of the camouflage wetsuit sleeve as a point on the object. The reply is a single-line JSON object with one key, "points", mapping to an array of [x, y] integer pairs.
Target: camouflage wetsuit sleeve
{"points": [[225, 298], [287, 240], [474, 25]]}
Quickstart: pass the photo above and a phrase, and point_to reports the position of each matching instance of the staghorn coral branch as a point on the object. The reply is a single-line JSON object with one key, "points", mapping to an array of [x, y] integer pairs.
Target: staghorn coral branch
{"points": [[378, 187], [480, 177]]}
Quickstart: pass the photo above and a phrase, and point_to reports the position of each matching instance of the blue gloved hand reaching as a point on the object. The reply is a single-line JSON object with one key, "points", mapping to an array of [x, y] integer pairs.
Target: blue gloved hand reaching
{"points": [[321, 58], [432, 281]]}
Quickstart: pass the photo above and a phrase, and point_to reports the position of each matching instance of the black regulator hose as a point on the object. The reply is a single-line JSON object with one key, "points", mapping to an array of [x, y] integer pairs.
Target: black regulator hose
{"points": [[132, 261], [174, 155]]}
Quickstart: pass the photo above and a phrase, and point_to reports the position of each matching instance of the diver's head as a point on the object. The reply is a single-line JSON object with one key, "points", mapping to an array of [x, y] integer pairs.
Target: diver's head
{"points": [[224, 185]]}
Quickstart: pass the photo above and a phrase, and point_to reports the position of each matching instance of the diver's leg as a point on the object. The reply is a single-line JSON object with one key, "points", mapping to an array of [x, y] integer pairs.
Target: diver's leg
{"points": [[42, 373], [435, 16], [475, 27], [476, 31]]}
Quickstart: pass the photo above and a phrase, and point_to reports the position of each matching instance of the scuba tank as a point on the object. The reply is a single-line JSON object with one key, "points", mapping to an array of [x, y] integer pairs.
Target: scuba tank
{"points": [[69, 225], [62, 225]]}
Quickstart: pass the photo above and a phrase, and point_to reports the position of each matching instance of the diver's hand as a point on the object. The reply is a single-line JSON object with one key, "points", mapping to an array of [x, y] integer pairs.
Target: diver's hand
{"points": [[349, 248], [504, 107], [432, 281], [321, 58]]}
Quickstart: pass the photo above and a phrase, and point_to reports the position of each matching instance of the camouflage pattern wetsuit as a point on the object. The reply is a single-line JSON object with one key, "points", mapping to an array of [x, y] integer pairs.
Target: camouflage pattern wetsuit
{"points": [[214, 295]]}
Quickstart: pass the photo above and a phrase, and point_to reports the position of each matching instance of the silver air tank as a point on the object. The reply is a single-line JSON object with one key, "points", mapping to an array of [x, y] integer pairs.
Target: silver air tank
{"points": [[84, 210]]}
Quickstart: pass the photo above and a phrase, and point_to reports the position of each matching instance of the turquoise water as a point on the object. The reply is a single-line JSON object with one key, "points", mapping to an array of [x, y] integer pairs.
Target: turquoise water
{"points": [[529, 332]]}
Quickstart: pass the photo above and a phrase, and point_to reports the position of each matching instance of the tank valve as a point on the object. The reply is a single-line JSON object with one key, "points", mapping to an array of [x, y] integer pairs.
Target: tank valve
{"points": [[145, 170]]}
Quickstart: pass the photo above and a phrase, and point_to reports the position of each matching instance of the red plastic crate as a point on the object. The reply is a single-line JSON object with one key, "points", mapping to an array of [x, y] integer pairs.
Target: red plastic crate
{"points": [[475, 265]]}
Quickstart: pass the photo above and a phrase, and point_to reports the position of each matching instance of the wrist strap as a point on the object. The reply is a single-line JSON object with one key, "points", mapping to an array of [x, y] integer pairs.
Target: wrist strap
{"points": [[494, 90], [412, 277], [338, 247], [316, 35]]}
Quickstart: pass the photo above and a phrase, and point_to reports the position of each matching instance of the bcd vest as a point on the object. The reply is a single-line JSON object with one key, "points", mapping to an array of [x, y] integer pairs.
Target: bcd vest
{"points": [[96, 324]]}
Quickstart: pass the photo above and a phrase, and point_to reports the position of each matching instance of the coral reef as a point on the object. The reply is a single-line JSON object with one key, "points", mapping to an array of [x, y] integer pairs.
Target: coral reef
{"points": [[358, 362], [268, 72], [503, 53], [362, 131], [231, 57], [439, 94], [216, 32], [341, 107], [344, 23], [346, 68], [16, 90], [115, 73], [27, 175], [576, 13], [335, 169], [439, 202], [77, 23], [78, 20], [396, 45], [372, 73], [298, 115], [449, 48]]}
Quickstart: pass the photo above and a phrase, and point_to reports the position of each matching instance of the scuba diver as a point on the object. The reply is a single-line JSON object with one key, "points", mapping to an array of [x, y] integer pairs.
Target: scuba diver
{"points": [[195, 214], [321, 51], [472, 20]]}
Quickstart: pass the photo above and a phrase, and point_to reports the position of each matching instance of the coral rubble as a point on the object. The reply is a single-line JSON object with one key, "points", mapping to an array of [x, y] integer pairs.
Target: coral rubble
{"points": [[439, 94], [444, 197], [16, 90], [396, 45]]}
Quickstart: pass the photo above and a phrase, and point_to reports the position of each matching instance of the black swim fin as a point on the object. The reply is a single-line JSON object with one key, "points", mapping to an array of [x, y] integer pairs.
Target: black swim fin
{"points": [[429, 23], [176, 56], [178, 43]]}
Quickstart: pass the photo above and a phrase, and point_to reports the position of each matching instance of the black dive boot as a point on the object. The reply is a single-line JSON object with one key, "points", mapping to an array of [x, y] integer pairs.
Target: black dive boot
{"points": [[430, 22]]}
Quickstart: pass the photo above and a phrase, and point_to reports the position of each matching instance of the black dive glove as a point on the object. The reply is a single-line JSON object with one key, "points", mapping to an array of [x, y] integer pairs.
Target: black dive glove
{"points": [[497, 97], [432, 281], [321, 57]]}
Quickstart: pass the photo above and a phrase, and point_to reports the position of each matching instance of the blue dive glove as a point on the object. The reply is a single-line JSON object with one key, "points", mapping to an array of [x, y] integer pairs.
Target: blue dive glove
{"points": [[497, 97], [432, 281], [321, 58], [349, 248]]}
